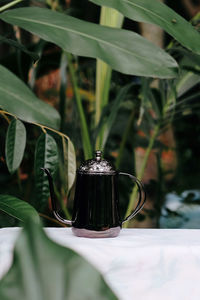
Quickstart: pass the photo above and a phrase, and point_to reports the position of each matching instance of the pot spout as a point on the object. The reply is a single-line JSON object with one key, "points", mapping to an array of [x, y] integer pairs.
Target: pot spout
{"points": [[53, 199]]}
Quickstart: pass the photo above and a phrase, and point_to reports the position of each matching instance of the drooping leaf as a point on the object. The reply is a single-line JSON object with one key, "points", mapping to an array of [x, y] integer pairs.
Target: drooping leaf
{"points": [[19, 46], [17, 208], [44, 270], [71, 164], [68, 168], [15, 144], [18, 99], [123, 50], [155, 12], [46, 156]]}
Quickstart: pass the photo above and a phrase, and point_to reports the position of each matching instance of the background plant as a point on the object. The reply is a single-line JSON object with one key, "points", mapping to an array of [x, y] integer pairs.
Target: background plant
{"points": [[128, 53]]}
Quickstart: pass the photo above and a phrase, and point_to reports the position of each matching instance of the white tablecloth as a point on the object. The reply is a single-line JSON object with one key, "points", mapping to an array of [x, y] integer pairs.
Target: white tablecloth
{"points": [[140, 264]]}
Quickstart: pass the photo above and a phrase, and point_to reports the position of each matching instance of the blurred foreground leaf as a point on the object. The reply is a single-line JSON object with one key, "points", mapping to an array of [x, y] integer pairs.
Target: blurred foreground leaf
{"points": [[44, 270]]}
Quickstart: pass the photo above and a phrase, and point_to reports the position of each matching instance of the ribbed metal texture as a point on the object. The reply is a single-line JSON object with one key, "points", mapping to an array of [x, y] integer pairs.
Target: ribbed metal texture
{"points": [[96, 202]]}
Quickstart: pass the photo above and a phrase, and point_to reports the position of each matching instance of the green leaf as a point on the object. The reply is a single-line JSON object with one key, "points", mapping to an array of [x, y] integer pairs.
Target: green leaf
{"points": [[20, 47], [107, 124], [124, 51], [15, 144], [68, 168], [18, 99], [155, 12], [71, 160], [17, 208], [44, 270], [187, 81], [46, 156]]}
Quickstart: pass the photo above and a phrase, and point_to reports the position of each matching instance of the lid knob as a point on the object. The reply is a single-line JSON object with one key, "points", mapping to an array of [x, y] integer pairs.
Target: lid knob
{"points": [[98, 155], [98, 165]]}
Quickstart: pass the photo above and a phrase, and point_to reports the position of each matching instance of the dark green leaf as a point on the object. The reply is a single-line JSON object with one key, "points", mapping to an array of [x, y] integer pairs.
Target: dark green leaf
{"points": [[44, 270], [19, 46], [17, 98], [46, 156], [17, 208], [123, 50], [15, 144], [155, 12]]}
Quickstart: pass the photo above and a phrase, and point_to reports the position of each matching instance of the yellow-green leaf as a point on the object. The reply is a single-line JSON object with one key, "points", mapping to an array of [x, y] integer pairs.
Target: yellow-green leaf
{"points": [[15, 144]]}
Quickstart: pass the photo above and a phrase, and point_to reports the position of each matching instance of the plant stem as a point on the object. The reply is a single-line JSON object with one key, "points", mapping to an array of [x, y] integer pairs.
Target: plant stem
{"points": [[62, 93], [6, 118], [141, 173], [87, 148], [109, 17], [103, 79], [9, 5], [124, 139], [168, 102]]}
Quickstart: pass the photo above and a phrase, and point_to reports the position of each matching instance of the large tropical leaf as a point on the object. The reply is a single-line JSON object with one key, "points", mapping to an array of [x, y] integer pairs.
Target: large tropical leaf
{"points": [[17, 208], [15, 144], [18, 99], [123, 50], [155, 12], [44, 270], [46, 156]]}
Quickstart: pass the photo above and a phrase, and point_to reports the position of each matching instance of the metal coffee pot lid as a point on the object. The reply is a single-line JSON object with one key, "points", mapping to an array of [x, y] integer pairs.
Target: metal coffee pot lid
{"points": [[98, 165]]}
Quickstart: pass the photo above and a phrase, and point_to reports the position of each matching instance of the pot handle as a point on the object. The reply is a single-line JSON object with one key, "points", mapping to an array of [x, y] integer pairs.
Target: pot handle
{"points": [[141, 199]]}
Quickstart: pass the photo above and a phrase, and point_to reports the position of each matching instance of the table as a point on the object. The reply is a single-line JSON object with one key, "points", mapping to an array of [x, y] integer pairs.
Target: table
{"points": [[139, 264]]}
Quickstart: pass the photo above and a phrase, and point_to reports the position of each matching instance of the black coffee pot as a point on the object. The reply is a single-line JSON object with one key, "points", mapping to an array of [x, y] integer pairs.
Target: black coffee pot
{"points": [[96, 202]]}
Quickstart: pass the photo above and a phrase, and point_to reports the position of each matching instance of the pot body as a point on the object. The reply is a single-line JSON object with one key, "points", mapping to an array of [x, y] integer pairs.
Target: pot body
{"points": [[96, 202]]}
